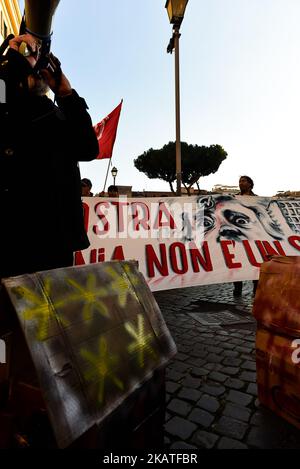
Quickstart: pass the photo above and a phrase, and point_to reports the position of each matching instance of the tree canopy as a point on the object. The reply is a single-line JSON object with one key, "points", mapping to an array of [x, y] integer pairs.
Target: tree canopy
{"points": [[197, 161]]}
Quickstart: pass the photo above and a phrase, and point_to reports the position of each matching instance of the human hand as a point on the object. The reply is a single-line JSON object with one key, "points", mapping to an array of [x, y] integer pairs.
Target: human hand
{"points": [[32, 53], [55, 78]]}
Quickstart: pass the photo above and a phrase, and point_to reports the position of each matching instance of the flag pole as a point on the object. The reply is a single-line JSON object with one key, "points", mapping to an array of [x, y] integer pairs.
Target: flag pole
{"points": [[109, 163]]}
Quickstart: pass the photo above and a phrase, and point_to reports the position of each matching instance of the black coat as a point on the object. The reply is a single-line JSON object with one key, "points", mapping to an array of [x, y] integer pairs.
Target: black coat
{"points": [[40, 189]]}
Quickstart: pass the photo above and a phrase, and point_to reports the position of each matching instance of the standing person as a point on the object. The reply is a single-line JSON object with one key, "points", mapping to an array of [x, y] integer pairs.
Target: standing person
{"points": [[86, 186], [113, 191], [246, 185], [40, 147]]}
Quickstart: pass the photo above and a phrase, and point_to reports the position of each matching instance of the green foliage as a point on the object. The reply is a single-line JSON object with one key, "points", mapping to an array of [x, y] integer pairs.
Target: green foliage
{"points": [[196, 162], [158, 164]]}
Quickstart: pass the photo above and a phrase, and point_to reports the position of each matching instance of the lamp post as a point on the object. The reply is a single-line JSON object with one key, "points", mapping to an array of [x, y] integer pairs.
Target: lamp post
{"points": [[176, 10], [114, 173]]}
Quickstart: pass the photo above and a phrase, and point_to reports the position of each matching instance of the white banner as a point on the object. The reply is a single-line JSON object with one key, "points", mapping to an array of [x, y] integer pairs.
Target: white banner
{"points": [[188, 241]]}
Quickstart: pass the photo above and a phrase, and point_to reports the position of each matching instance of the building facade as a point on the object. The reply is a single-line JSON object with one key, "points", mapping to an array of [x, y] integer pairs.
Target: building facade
{"points": [[284, 194], [220, 188], [10, 18]]}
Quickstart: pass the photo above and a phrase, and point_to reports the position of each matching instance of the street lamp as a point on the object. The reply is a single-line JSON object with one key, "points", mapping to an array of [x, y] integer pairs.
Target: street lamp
{"points": [[176, 9], [114, 173]]}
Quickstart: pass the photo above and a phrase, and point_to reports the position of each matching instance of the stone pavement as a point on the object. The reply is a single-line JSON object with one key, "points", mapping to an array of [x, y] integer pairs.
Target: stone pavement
{"points": [[211, 383]]}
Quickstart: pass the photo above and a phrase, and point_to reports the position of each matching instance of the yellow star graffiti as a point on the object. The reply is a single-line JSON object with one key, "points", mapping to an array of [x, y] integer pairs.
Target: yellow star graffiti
{"points": [[41, 310], [135, 280], [102, 365], [92, 296], [120, 284], [142, 343]]}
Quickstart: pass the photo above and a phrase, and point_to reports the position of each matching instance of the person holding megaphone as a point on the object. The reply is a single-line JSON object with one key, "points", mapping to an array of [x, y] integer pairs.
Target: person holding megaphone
{"points": [[39, 81], [40, 146]]}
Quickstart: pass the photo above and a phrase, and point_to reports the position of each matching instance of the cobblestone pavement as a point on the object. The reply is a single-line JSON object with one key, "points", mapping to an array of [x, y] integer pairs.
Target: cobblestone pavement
{"points": [[211, 383]]}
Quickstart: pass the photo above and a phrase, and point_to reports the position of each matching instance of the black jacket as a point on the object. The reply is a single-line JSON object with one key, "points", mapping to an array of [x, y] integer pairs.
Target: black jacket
{"points": [[40, 189]]}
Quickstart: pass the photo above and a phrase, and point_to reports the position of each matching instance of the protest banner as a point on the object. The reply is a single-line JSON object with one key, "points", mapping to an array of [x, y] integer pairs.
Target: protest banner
{"points": [[192, 240]]}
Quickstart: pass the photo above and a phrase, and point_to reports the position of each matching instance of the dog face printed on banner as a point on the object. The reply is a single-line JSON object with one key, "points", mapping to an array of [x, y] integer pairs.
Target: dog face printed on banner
{"points": [[229, 218]]}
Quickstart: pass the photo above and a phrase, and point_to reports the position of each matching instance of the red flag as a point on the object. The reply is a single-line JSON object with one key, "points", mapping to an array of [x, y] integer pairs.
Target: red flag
{"points": [[106, 132]]}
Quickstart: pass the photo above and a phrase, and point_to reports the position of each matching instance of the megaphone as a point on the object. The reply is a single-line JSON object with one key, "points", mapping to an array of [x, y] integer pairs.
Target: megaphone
{"points": [[37, 21], [38, 17]]}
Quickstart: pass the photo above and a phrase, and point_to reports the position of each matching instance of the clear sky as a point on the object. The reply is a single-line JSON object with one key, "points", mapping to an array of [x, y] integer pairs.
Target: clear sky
{"points": [[240, 83]]}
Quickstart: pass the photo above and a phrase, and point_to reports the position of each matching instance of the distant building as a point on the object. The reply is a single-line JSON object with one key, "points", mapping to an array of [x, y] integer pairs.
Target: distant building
{"points": [[163, 193], [153, 194], [220, 188], [125, 190], [10, 18], [283, 194]]}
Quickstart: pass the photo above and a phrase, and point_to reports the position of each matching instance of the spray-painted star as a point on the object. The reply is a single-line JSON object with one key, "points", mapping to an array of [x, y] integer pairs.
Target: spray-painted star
{"points": [[92, 296], [101, 366], [41, 310], [120, 284], [142, 343]]}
